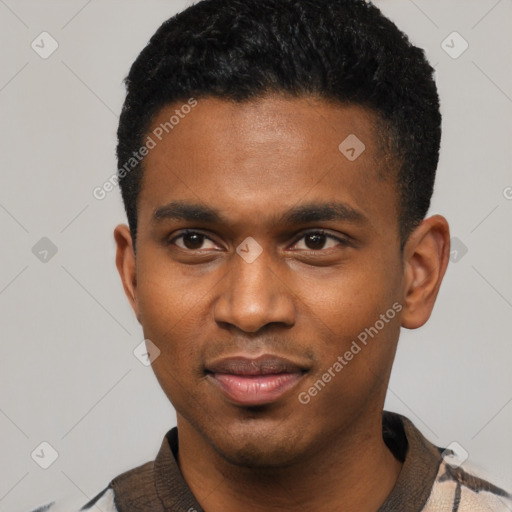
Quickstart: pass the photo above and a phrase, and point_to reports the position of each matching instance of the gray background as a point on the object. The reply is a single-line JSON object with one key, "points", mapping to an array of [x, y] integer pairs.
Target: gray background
{"points": [[67, 369]]}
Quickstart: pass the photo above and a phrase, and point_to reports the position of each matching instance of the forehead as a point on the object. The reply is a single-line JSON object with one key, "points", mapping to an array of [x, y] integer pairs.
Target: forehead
{"points": [[263, 155]]}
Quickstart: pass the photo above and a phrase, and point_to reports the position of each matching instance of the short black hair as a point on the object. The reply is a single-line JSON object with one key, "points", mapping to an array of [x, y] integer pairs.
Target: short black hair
{"points": [[344, 51]]}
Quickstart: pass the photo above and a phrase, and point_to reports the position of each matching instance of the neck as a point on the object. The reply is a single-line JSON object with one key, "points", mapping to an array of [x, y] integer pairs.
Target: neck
{"points": [[354, 470]]}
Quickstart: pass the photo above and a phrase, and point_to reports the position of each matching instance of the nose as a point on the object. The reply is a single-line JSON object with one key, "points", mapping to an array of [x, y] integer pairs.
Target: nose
{"points": [[252, 295]]}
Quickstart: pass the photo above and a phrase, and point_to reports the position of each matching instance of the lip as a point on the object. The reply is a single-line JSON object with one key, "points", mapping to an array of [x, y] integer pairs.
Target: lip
{"points": [[255, 381]]}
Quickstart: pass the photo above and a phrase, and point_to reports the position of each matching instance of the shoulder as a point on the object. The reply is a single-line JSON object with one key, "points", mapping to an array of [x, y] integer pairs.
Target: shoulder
{"points": [[103, 501], [134, 484], [457, 489], [435, 474]]}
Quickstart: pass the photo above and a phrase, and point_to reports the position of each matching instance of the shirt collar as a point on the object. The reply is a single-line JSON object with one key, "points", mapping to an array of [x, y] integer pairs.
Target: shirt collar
{"points": [[159, 486]]}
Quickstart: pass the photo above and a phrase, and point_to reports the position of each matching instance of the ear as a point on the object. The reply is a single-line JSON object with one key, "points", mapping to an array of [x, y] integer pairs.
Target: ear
{"points": [[125, 263], [426, 255]]}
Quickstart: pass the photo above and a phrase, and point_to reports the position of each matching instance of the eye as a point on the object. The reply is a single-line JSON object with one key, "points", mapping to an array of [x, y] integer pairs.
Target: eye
{"points": [[318, 240], [192, 241]]}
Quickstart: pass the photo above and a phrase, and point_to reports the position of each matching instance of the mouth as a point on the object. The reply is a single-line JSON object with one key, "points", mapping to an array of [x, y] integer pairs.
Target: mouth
{"points": [[255, 381]]}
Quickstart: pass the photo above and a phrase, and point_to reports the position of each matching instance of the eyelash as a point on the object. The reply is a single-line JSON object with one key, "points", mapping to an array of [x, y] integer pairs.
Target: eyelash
{"points": [[342, 241]]}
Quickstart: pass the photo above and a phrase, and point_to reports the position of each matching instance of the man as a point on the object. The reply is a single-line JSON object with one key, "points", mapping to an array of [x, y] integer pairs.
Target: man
{"points": [[276, 161]]}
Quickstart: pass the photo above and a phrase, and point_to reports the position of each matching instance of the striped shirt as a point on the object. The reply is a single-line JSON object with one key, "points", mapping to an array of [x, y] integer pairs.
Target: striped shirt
{"points": [[430, 481]]}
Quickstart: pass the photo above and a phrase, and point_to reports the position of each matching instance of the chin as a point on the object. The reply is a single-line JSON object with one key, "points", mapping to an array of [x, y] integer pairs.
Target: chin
{"points": [[256, 456], [259, 448]]}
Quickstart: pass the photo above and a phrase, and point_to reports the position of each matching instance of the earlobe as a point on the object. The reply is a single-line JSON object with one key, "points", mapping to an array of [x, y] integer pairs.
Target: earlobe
{"points": [[426, 255], [125, 263]]}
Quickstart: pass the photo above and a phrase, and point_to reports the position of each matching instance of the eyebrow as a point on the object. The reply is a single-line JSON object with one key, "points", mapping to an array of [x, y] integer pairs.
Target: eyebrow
{"points": [[179, 210], [303, 214], [318, 212]]}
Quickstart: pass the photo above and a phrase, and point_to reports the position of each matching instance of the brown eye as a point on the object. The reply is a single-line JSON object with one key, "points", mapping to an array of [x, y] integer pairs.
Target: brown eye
{"points": [[193, 240], [315, 240]]}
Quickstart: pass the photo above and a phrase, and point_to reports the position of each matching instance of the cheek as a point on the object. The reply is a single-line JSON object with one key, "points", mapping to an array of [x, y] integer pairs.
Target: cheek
{"points": [[174, 327], [354, 318], [169, 316], [163, 294], [350, 298]]}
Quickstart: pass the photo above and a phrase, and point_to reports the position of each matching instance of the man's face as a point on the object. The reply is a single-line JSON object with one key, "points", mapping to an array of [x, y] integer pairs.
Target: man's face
{"points": [[323, 276]]}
